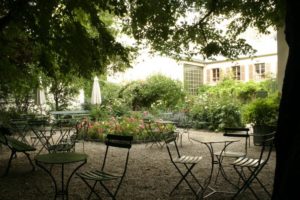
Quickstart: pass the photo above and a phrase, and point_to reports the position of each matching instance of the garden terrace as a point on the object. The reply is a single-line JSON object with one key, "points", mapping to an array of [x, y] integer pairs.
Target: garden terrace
{"points": [[150, 173]]}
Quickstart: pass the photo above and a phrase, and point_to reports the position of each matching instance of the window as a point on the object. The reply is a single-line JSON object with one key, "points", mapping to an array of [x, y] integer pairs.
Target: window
{"points": [[216, 74], [193, 78], [260, 71], [236, 72]]}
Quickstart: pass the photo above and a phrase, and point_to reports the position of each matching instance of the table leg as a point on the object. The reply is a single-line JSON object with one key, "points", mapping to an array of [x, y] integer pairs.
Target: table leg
{"points": [[64, 192], [213, 162], [221, 168], [69, 179], [211, 152], [50, 174]]}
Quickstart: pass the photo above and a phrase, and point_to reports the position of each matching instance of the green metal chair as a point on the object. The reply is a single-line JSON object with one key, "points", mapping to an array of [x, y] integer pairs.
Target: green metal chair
{"points": [[105, 175], [254, 165], [15, 146], [184, 165]]}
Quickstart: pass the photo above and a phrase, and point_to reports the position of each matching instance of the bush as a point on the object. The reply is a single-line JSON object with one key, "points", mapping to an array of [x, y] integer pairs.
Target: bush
{"points": [[262, 111], [215, 113], [157, 92]]}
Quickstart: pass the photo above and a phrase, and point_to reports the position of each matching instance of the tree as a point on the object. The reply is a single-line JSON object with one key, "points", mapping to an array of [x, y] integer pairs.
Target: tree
{"points": [[187, 28], [287, 137], [63, 87], [78, 31], [74, 38]]}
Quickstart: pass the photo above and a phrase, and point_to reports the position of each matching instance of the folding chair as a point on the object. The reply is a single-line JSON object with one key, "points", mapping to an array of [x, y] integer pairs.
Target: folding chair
{"points": [[69, 136], [188, 163], [15, 146], [42, 133], [226, 151], [103, 175], [254, 166], [154, 133], [20, 127]]}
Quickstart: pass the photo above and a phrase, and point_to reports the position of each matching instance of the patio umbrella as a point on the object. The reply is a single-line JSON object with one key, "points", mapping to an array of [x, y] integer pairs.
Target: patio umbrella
{"points": [[40, 98], [96, 94]]}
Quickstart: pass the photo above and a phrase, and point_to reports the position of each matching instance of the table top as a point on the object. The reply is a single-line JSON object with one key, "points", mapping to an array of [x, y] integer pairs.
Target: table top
{"points": [[61, 158], [214, 140], [69, 112]]}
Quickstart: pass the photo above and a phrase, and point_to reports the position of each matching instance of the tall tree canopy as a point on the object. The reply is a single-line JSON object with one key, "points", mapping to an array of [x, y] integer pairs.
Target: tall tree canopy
{"points": [[79, 32], [206, 27], [39, 32]]}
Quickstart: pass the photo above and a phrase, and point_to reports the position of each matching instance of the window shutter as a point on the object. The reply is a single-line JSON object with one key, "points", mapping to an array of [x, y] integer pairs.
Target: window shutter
{"points": [[208, 76], [250, 72], [242, 73]]}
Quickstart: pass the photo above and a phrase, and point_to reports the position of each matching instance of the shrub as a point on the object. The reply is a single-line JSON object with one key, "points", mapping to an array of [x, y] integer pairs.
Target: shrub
{"points": [[262, 111], [157, 92]]}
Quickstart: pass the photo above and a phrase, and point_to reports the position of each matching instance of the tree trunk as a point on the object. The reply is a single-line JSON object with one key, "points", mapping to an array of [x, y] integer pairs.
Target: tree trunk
{"points": [[287, 173]]}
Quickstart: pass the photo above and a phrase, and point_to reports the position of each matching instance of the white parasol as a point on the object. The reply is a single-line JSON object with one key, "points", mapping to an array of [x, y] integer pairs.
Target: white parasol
{"points": [[96, 94], [40, 99]]}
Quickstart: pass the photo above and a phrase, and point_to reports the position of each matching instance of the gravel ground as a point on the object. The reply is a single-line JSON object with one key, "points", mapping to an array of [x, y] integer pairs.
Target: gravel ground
{"points": [[150, 173]]}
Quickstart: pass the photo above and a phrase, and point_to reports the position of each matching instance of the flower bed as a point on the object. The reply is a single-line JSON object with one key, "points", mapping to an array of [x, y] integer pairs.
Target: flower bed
{"points": [[126, 126]]}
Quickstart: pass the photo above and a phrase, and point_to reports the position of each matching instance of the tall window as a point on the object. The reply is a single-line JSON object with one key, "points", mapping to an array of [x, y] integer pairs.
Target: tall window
{"points": [[193, 78], [260, 71], [236, 72], [216, 74]]}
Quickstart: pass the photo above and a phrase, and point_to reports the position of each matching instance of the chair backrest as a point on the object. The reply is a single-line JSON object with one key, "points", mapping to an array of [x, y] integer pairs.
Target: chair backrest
{"points": [[171, 140], [18, 125], [267, 147], [238, 132], [118, 141]]}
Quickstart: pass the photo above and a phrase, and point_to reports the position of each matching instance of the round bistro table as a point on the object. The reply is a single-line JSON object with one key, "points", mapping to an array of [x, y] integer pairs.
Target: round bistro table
{"points": [[60, 159]]}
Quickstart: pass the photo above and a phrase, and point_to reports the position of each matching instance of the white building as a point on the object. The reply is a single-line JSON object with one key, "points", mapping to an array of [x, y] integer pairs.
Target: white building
{"points": [[198, 72], [243, 69]]}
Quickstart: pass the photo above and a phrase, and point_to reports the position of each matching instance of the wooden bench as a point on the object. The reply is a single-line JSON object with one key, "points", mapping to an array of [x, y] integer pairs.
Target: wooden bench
{"points": [[15, 146]]}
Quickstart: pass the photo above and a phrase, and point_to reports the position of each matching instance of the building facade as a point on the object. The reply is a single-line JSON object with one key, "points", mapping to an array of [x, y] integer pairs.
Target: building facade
{"points": [[196, 73], [244, 69]]}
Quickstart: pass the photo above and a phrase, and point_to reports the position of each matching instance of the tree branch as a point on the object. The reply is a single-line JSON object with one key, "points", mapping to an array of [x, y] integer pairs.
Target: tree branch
{"points": [[200, 22], [213, 8]]}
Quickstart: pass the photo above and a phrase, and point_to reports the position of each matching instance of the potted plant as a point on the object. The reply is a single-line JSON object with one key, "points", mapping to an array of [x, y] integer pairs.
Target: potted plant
{"points": [[262, 114]]}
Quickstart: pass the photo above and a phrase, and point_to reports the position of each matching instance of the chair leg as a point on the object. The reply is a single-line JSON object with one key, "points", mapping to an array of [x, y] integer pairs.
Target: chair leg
{"points": [[184, 179], [115, 194], [108, 191], [30, 161], [13, 153], [246, 184], [92, 188], [197, 181], [262, 185]]}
